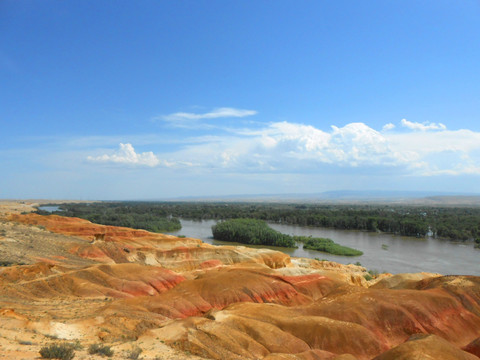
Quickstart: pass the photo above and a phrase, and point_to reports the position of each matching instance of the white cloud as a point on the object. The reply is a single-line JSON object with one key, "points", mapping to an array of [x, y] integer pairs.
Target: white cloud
{"points": [[292, 148], [126, 155], [295, 148], [422, 126], [288, 147], [224, 112], [388, 127]]}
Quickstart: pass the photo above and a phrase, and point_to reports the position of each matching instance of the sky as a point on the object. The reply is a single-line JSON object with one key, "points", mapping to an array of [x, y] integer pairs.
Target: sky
{"points": [[116, 100]]}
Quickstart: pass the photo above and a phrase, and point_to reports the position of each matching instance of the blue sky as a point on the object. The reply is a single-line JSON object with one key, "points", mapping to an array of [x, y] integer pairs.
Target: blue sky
{"points": [[157, 99]]}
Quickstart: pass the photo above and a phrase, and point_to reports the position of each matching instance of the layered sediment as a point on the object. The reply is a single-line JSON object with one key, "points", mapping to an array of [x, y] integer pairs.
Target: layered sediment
{"points": [[178, 298]]}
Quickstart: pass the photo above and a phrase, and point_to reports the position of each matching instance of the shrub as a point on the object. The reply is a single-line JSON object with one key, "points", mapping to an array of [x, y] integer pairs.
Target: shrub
{"points": [[76, 345], [10, 263], [100, 349], [373, 273], [368, 277], [134, 353], [57, 351]]}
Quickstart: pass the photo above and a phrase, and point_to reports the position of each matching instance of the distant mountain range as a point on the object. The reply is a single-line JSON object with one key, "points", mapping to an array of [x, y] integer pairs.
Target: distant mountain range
{"points": [[351, 196]]}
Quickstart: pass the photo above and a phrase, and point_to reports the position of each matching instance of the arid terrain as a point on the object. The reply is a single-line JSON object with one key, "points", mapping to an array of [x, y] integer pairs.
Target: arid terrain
{"points": [[66, 280]]}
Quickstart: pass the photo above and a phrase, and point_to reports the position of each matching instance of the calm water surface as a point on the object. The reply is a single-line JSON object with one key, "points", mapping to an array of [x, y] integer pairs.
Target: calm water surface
{"points": [[49, 208], [382, 252]]}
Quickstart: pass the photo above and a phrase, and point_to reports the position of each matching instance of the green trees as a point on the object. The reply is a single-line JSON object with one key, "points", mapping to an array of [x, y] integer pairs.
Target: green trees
{"points": [[327, 245], [444, 222], [145, 216], [257, 232], [251, 231]]}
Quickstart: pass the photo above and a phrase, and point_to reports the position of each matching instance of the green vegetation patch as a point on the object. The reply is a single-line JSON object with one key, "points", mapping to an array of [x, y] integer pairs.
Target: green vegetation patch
{"points": [[251, 231], [257, 232], [327, 245], [456, 223]]}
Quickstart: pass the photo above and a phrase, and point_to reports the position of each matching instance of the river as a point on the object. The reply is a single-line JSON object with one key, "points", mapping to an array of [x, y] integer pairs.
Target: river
{"points": [[381, 252], [49, 208]]}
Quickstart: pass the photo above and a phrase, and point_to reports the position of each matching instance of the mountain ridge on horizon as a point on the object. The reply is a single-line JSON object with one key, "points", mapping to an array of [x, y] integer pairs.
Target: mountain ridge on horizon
{"points": [[339, 196], [327, 197]]}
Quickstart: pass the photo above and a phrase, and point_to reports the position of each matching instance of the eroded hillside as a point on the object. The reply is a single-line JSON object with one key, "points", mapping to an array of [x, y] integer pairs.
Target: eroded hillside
{"points": [[69, 280]]}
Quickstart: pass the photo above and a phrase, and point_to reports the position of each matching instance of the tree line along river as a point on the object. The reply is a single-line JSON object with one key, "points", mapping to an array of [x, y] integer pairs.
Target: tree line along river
{"points": [[382, 251]]}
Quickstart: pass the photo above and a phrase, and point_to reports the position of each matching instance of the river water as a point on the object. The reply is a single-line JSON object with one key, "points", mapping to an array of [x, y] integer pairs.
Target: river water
{"points": [[49, 208], [381, 252]]}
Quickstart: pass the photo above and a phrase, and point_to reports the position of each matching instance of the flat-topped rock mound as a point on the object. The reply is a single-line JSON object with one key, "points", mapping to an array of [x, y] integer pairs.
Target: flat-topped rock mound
{"points": [[110, 244], [102, 233]]}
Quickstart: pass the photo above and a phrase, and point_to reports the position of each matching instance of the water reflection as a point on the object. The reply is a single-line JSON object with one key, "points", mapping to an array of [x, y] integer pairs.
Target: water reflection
{"points": [[49, 208]]}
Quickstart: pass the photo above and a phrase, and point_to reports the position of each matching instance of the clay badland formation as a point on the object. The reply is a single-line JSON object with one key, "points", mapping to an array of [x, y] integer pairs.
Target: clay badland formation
{"points": [[68, 280]]}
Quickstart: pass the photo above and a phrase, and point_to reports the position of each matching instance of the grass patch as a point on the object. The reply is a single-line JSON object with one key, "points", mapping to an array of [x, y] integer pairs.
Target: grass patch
{"points": [[100, 349], [24, 342], [134, 353], [76, 345]]}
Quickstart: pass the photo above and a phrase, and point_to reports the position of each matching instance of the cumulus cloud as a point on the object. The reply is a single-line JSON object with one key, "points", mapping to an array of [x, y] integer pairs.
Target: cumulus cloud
{"points": [[293, 148], [353, 145], [223, 112], [422, 126], [285, 146], [126, 155]]}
